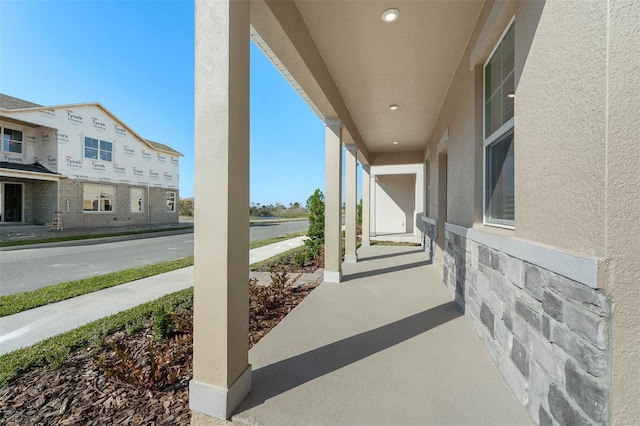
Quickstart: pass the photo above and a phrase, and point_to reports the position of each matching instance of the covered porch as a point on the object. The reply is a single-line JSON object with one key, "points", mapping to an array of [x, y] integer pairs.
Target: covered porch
{"points": [[387, 346], [424, 95]]}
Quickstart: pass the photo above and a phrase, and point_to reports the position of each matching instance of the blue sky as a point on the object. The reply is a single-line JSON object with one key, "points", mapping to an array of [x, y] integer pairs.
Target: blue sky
{"points": [[136, 59]]}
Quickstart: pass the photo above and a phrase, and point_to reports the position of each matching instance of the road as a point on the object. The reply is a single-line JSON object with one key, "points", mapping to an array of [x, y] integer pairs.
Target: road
{"points": [[30, 268]]}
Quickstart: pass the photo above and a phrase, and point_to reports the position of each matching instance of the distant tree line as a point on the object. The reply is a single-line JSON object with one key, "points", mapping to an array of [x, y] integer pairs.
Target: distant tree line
{"points": [[186, 207], [277, 210]]}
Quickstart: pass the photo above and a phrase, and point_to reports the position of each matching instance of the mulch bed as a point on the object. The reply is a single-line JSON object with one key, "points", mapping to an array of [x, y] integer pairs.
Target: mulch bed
{"points": [[79, 392]]}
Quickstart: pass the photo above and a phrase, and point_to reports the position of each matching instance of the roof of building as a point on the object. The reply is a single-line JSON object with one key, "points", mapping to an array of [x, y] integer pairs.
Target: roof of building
{"points": [[162, 147], [9, 102], [34, 168]]}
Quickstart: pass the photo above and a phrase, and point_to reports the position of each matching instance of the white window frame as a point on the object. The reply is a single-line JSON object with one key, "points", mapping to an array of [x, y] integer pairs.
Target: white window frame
{"points": [[99, 150], [131, 209], [427, 188], [113, 202], [2, 129], [175, 201], [500, 132]]}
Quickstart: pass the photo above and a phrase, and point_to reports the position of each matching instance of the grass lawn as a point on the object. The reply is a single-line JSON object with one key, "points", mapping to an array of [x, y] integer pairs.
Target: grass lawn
{"points": [[53, 351], [14, 303]]}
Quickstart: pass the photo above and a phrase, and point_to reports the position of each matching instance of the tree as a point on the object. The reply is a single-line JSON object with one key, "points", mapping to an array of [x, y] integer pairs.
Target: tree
{"points": [[359, 213], [315, 234], [186, 207]]}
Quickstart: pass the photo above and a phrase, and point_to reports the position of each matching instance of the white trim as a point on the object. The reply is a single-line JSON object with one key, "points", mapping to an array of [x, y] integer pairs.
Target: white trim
{"points": [[502, 130], [330, 122], [430, 221], [218, 402], [442, 145], [332, 277], [427, 154], [583, 269], [175, 201], [105, 185], [20, 174]]}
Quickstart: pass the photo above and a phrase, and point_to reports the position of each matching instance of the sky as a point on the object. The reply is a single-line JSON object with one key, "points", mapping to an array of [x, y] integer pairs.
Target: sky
{"points": [[137, 59]]}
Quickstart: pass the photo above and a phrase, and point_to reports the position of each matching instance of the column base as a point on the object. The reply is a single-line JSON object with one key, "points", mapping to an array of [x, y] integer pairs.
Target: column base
{"points": [[218, 402], [332, 277], [365, 243], [350, 258]]}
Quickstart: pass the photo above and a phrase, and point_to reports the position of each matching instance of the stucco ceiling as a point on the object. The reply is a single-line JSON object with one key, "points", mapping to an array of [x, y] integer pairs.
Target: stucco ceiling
{"points": [[373, 64]]}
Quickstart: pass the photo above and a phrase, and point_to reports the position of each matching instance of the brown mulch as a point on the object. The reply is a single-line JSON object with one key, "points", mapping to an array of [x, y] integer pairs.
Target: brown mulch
{"points": [[79, 392]]}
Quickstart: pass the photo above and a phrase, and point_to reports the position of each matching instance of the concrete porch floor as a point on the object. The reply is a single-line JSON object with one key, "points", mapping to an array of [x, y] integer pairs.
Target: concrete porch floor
{"points": [[408, 237], [388, 346]]}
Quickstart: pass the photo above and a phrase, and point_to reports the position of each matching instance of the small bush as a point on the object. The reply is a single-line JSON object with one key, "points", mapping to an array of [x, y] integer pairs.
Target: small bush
{"points": [[157, 367], [161, 324]]}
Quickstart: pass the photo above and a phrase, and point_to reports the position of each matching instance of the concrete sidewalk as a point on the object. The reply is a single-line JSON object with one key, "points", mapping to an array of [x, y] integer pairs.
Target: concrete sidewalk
{"points": [[28, 327]]}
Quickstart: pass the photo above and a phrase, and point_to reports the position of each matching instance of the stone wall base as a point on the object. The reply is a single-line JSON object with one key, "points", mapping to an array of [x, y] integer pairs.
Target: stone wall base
{"points": [[548, 335]]}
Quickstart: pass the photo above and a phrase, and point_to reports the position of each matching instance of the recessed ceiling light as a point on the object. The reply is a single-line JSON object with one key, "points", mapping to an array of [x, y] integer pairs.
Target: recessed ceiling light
{"points": [[395, 142], [390, 15], [511, 95], [393, 107]]}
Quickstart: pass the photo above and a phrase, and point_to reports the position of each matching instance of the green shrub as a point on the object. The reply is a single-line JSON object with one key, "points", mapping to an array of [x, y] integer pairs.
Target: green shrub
{"points": [[161, 324], [315, 234]]}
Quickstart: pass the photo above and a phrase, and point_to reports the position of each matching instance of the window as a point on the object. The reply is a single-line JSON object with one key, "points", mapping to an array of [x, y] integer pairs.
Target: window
{"points": [[499, 194], [12, 141], [97, 149], [137, 200], [171, 202], [427, 188], [97, 198]]}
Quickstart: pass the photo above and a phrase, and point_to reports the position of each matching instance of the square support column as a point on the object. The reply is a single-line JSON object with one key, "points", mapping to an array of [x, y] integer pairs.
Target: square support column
{"points": [[221, 370], [333, 201], [366, 205], [351, 202], [373, 180]]}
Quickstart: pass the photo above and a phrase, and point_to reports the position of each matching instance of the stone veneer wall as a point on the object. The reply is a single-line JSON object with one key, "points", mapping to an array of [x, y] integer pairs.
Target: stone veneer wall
{"points": [[548, 335], [430, 238]]}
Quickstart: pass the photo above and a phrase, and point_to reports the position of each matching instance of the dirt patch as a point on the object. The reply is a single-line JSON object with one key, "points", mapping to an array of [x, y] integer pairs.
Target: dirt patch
{"points": [[94, 385]]}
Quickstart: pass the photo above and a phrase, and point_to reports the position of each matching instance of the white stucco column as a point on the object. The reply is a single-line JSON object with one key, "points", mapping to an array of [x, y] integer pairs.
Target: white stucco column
{"points": [[333, 201], [351, 201], [373, 180], [221, 370], [366, 205]]}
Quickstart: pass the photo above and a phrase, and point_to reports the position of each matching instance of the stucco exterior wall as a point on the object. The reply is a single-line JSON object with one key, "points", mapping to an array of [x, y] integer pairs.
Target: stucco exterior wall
{"points": [[622, 282], [401, 199], [560, 116], [577, 183], [394, 203]]}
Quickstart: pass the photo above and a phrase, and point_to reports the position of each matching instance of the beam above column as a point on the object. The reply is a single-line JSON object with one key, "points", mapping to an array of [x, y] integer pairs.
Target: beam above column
{"points": [[333, 201]]}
